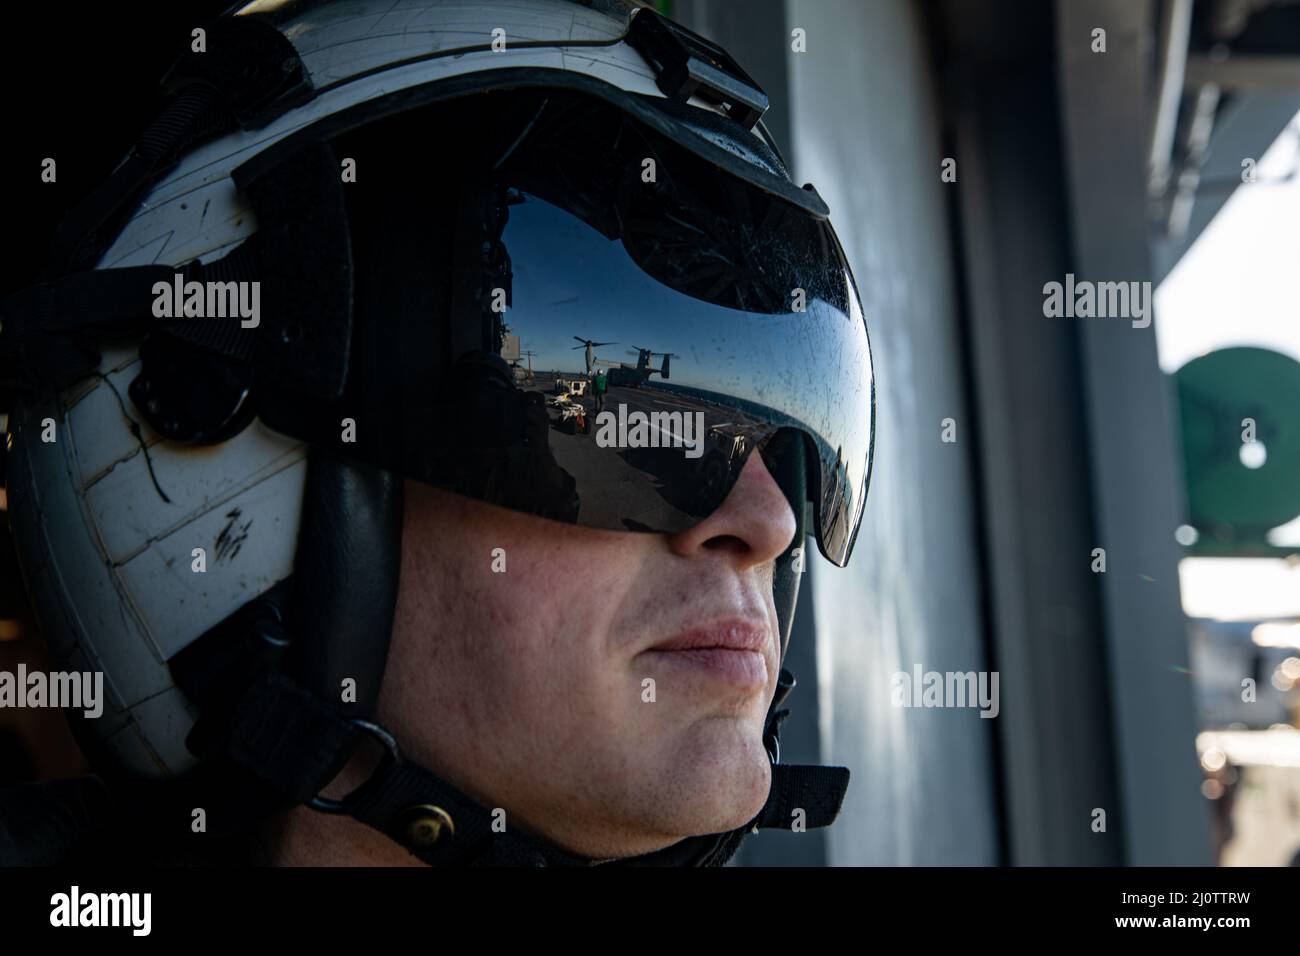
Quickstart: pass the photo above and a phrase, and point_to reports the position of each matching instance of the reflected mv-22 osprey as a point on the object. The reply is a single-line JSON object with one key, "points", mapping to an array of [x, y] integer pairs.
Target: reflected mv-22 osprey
{"points": [[620, 373]]}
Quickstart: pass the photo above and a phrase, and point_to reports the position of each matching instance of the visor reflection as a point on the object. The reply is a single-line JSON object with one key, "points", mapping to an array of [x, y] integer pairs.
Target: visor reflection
{"points": [[690, 387]]}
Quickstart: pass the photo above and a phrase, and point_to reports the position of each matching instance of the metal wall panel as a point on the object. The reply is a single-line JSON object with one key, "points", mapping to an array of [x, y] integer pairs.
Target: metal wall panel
{"points": [[1131, 438], [864, 129]]}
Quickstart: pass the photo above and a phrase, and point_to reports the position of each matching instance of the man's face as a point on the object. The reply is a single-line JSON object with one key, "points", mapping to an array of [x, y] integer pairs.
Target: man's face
{"points": [[546, 689]]}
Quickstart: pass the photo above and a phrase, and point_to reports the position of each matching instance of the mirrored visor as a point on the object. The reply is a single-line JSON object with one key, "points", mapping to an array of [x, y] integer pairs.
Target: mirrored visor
{"points": [[624, 325]]}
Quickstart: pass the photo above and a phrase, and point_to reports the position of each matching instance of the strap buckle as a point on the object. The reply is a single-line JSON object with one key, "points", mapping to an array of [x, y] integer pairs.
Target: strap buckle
{"points": [[785, 683], [390, 758]]}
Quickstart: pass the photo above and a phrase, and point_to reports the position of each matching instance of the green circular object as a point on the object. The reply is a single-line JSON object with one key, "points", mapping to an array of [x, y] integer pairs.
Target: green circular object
{"points": [[1249, 489]]}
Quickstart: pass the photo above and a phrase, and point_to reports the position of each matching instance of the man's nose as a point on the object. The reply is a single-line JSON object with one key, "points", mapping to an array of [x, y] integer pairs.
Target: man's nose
{"points": [[753, 525]]}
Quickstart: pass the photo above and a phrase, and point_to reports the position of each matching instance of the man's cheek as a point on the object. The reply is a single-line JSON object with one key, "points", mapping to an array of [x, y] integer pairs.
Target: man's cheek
{"points": [[526, 660]]}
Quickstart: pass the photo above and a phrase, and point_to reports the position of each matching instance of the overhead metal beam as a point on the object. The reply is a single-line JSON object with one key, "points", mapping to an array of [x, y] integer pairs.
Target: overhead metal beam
{"points": [[1175, 30], [1245, 126], [1237, 73]]}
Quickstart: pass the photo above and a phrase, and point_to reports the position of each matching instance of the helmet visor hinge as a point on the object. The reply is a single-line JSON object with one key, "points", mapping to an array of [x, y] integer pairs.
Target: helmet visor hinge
{"points": [[688, 65]]}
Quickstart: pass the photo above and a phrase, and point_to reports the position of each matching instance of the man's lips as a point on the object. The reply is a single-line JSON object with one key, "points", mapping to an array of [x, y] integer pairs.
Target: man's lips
{"points": [[724, 635], [734, 652]]}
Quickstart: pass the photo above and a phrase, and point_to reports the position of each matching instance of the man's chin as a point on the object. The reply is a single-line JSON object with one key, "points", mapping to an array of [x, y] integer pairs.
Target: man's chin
{"points": [[723, 779]]}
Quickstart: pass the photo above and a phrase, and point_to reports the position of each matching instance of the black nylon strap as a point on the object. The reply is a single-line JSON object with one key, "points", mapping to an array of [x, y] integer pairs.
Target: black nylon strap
{"points": [[384, 801], [818, 791], [49, 332], [221, 335], [292, 739], [84, 299], [34, 321], [288, 736]]}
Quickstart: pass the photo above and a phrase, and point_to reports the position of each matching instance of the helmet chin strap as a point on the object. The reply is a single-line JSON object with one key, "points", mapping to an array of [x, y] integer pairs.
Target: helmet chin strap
{"points": [[292, 730], [284, 734]]}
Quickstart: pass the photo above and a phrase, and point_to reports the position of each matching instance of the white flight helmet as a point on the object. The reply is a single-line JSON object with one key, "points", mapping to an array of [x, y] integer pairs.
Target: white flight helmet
{"points": [[145, 523]]}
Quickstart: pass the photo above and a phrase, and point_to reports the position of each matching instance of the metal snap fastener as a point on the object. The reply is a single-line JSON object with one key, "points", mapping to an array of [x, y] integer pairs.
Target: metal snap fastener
{"points": [[424, 825]]}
